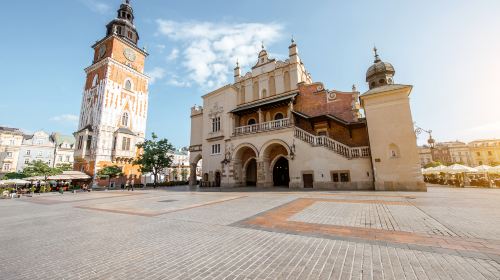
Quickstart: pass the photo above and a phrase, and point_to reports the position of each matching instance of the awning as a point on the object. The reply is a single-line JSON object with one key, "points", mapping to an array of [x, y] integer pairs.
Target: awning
{"points": [[263, 103], [65, 176]]}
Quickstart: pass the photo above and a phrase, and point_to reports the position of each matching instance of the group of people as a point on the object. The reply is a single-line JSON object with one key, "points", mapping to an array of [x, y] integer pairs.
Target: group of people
{"points": [[462, 180]]}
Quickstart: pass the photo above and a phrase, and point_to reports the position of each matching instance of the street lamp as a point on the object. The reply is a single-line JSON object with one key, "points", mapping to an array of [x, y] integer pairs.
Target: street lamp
{"points": [[430, 141]]}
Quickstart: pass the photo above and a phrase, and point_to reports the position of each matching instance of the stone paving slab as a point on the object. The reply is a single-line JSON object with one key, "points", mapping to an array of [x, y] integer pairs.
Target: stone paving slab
{"points": [[64, 241]]}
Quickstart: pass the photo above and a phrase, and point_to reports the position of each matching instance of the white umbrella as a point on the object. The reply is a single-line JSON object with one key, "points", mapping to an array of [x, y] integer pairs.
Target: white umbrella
{"points": [[14, 182], [495, 169], [483, 168], [458, 168]]}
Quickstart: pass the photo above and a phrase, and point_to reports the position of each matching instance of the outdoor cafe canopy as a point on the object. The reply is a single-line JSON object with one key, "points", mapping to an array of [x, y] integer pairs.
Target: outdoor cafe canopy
{"points": [[65, 176]]}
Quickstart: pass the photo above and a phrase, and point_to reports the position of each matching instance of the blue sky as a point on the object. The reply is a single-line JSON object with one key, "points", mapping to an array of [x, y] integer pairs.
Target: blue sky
{"points": [[449, 51]]}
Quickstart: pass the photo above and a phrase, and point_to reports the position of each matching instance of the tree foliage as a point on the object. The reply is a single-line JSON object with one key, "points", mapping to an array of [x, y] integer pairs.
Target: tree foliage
{"points": [[154, 156], [109, 172], [65, 166], [433, 164], [14, 175], [40, 168]]}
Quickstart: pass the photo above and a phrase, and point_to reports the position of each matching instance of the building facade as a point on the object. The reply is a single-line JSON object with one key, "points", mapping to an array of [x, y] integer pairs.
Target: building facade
{"points": [[114, 102], [485, 152], [64, 149], [37, 146], [474, 153], [11, 140], [274, 126]]}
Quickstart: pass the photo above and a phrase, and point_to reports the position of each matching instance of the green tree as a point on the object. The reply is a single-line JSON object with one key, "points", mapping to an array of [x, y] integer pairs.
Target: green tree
{"points": [[40, 168], [65, 166], [433, 164], [14, 175], [110, 172], [154, 156]]}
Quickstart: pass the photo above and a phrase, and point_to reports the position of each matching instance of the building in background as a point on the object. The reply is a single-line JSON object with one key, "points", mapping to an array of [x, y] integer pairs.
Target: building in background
{"points": [[64, 149], [36, 146], [11, 140], [114, 102], [474, 153], [485, 152]]}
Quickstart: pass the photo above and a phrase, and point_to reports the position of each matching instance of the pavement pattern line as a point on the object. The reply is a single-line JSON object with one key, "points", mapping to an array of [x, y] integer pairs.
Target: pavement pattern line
{"points": [[277, 220], [158, 213]]}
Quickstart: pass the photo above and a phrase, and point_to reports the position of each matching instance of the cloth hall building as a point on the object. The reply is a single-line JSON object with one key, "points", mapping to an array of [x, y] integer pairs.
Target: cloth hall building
{"points": [[275, 126]]}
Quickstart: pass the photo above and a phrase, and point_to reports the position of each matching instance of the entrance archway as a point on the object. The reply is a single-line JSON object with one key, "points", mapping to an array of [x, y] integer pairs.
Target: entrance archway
{"points": [[245, 165], [251, 172], [217, 179], [281, 174]]}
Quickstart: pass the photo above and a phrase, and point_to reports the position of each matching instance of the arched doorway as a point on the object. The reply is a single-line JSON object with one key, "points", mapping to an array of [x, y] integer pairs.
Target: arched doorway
{"points": [[281, 174], [251, 172]]}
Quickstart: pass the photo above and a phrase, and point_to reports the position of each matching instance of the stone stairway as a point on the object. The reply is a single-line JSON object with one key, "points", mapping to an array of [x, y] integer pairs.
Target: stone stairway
{"points": [[333, 145]]}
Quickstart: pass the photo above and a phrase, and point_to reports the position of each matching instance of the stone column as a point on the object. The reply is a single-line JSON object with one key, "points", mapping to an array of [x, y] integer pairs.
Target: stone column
{"points": [[192, 174], [289, 112], [260, 116]]}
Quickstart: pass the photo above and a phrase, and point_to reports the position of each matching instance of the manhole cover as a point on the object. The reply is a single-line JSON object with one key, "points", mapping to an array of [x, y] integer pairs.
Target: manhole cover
{"points": [[168, 200]]}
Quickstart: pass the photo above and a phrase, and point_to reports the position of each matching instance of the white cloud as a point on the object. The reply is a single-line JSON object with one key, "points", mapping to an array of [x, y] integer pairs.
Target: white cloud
{"points": [[173, 54], [66, 118], [156, 74], [210, 50], [97, 6]]}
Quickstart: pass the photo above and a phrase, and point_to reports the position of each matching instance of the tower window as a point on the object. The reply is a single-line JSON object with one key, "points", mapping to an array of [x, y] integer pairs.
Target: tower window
{"points": [[128, 85], [94, 81], [125, 119]]}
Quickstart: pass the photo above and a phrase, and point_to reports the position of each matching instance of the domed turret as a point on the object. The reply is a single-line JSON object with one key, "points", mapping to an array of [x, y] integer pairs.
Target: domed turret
{"points": [[380, 73], [123, 24]]}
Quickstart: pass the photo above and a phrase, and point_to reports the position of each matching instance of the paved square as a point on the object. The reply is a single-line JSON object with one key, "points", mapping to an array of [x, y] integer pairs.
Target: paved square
{"points": [[442, 234]]}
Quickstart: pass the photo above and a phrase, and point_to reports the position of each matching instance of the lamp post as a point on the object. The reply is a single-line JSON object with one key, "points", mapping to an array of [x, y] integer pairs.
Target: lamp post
{"points": [[430, 141]]}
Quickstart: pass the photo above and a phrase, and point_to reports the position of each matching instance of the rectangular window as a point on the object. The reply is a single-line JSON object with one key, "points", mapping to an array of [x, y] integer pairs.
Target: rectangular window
{"points": [[28, 152], [340, 176], [9, 154], [67, 158], [215, 149], [60, 158], [126, 144], [89, 142], [6, 167], [490, 153], [39, 153], [216, 124], [335, 177], [26, 161]]}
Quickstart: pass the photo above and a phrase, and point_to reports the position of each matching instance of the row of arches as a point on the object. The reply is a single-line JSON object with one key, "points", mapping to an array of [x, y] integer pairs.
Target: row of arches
{"points": [[268, 166]]}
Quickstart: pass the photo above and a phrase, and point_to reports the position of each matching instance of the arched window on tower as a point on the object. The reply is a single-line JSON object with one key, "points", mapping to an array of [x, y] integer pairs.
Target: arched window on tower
{"points": [[125, 119], [94, 81], [128, 85]]}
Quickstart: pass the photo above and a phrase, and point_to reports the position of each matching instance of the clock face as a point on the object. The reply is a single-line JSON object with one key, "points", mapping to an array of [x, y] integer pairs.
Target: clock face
{"points": [[129, 54], [102, 51]]}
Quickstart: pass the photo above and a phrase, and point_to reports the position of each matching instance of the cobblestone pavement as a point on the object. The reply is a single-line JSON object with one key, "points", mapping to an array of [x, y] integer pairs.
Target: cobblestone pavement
{"points": [[158, 234]]}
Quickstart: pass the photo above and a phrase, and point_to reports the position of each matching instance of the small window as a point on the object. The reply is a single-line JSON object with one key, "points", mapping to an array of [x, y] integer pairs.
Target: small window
{"points": [[478, 153], [278, 116], [490, 153], [216, 124], [344, 177], [335, 177], [26, 161], [94, 81], [128, 85], [28, 152], [215, 149], [67, 158], [251, 121], [381, 81], [126, 144], [264, 93], [125, 119], [9, 154]]}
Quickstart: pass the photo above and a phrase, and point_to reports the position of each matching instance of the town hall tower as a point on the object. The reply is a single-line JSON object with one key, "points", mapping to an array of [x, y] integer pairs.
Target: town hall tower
{"points": [[115, 101]]}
